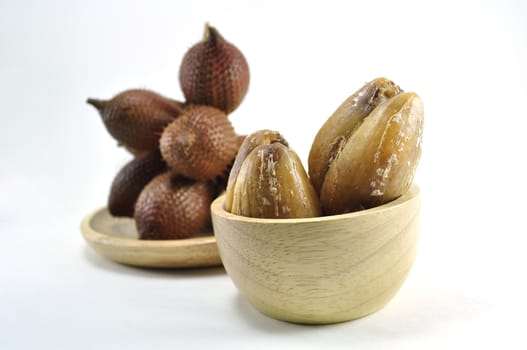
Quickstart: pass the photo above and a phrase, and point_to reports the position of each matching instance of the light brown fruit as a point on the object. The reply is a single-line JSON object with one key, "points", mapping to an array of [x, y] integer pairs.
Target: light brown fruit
{"points": [[220, 182], [258, 138], [172, 207], [377, 162], [136, 118], [214, 72], [336, 131], [131, 180], [272, 183], [200, 144]]}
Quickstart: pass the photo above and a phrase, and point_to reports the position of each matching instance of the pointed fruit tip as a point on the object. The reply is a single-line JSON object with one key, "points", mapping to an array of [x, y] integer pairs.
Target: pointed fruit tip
{"points": [[210, 33], [99, 104]]}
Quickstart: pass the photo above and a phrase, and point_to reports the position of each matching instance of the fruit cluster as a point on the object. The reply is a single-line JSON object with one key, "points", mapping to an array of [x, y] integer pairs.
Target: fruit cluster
{"points": [[364, 155], [182, 151]]}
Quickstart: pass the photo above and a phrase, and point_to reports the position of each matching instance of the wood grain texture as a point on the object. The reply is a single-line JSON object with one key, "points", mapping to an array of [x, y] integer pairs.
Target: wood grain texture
{"points": [[117, 239], [320, 270]]}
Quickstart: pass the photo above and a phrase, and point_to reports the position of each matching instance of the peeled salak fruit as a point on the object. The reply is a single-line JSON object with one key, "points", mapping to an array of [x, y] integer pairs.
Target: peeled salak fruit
{"points": [[337, 130], [173, 207], [136, 118], [199, 144], [373, 162], [272, 183], [130, 181], [214, 72], [248, 144], [220, 182]]}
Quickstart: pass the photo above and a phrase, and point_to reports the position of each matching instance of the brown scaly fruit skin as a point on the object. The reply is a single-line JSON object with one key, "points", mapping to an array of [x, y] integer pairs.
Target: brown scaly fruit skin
{"points": [[257, 138], [215, 73], [131, 180], [172, 207], [136, 152], [272, 184], [378, 161], [136, 118], [336, 131], [199, 144]]}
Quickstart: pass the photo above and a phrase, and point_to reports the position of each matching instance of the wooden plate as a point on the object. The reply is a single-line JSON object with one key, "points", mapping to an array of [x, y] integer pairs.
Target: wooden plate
{"points": [[117, 239]]}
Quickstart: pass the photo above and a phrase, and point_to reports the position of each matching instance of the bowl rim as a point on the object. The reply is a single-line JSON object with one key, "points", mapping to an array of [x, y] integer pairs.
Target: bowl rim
{"points": [[412, 193]]}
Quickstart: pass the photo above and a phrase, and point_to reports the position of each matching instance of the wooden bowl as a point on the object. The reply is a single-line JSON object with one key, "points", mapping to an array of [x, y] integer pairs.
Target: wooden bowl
{"points": [[320, 270], [118, 240]]}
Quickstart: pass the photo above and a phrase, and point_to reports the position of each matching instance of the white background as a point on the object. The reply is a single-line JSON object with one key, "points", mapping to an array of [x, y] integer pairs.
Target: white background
{"points": [[466, 59]]}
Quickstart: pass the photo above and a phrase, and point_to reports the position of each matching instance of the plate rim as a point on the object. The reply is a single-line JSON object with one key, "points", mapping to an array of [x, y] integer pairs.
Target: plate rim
{"points": [[100, 241]]}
